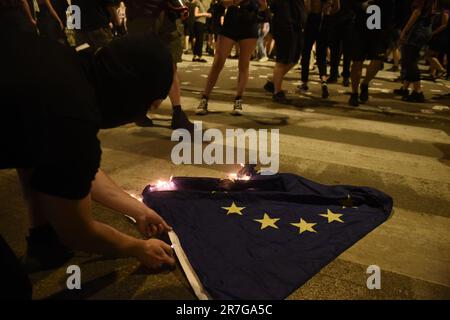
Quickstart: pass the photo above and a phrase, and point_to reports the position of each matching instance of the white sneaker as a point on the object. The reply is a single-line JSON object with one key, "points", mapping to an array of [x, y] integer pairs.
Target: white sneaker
{"points": [[237, 108], [202, 108], [265, 59]]}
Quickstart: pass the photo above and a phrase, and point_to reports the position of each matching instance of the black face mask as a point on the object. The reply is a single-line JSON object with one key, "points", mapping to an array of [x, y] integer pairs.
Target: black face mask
{"points": [[129, 75]]}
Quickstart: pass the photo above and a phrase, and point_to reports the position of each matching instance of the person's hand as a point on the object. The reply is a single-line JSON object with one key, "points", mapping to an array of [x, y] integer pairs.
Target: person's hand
{"points": [[208, 15], [150, 224], [155, 254]]}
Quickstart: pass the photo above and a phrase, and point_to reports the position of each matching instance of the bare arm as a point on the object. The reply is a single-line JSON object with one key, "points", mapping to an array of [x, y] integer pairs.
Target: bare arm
{"points": [[198, 14], [412, 20], [27, 10], [443, 25], [74, 224], [53, 13], [112, 10], [106, 192]]}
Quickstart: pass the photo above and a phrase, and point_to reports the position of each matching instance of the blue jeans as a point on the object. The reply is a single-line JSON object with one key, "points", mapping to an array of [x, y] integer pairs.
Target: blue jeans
{"points": [[260, 48]]}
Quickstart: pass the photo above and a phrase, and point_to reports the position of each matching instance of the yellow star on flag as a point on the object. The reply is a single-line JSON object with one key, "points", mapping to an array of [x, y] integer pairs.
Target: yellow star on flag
{"points": [[234, 209], [304, 226], [267, 221], [331, 216]]}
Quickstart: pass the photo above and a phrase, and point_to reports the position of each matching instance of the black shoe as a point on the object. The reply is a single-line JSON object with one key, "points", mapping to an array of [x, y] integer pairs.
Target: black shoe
{"points": [[144, 122], [181, 121], [280, 97], [393, 69], [202, 60], [269, 87], [44, 250], [303, 87], [346, 82], [325, 93], [364, 95], [332, 79], [401, 92], [354, 100], [194, 59], [415, 96]]}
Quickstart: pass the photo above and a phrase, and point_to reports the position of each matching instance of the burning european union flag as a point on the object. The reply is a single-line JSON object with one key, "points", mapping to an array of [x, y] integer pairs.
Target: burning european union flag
{"points": [[265, 237]]}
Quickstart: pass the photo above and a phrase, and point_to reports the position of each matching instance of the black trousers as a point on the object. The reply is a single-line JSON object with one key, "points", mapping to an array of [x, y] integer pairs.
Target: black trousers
{"points": [[341, 44], [317, 30], [410, 60], [199, 34], [15, 284]]}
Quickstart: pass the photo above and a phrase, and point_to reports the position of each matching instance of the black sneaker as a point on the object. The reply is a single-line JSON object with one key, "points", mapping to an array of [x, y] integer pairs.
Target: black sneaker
{"points": [[415, 96], [269, 87], [202, 60], [346, 82], [303, 87], [144, 122], [325, 93], [354, 100], [181, 121], [44, 250], [394, 69], [364, 95], [401, 92], [280, 97], [332, 79]]}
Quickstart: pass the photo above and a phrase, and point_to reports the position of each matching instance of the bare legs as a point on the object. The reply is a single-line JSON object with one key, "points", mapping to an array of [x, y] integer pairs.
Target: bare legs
{"points": [[224, 46], [175, 90], [247, 47]]}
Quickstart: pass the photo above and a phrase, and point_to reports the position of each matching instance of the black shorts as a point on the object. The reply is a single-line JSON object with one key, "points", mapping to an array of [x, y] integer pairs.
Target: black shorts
{"points": [[188, 29], [238, 29], [289, 46], [368, 45]]}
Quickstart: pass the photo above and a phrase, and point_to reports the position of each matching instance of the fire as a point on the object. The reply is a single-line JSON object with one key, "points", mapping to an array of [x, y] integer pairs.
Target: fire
{"points": [[163, 185]]}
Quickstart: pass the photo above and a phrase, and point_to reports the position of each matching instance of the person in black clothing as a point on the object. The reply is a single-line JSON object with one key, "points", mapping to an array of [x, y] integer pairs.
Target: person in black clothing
{"points": [[288, 22], [318, 30], [414, 36], [342, 24], [201, 14], [369, 44], [163, 19], [17, 13], [53, 105]]}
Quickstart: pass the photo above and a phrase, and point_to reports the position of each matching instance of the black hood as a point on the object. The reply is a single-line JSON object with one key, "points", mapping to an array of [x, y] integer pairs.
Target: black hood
{"points": [[129, 75]]}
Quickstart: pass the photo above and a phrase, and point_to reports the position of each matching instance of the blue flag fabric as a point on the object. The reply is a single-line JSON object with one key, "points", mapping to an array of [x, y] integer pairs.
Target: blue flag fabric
{"points": [[266, 237]]}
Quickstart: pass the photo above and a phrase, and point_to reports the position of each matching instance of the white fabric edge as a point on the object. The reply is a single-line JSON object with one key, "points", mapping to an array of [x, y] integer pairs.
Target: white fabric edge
{"points": [[192, 277]]}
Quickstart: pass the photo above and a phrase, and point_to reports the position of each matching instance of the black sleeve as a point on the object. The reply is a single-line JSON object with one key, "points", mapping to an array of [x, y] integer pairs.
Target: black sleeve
{"points": [[68, 159]]}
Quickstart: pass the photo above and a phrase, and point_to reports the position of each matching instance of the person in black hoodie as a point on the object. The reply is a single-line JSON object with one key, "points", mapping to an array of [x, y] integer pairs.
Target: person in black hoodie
{"points": [[53, 105]]}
